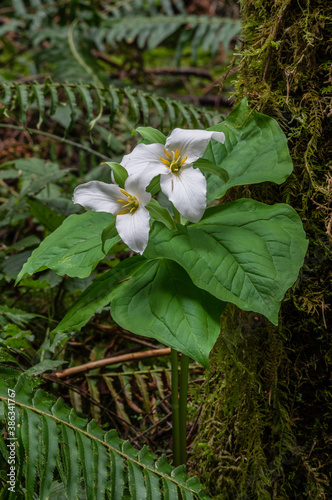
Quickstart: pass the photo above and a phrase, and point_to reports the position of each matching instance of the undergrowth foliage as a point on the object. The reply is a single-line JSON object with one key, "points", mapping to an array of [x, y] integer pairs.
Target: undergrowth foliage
{"points": [[98, 103], [54, 442]]}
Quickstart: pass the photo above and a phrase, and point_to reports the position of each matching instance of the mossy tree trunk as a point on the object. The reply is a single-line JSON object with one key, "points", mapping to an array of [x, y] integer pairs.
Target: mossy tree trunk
{"points": [[265, 426]]}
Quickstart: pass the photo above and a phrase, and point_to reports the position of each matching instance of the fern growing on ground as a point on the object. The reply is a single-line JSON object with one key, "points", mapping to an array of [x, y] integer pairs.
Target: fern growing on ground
{"points": [[99, 103], [58, 452]]}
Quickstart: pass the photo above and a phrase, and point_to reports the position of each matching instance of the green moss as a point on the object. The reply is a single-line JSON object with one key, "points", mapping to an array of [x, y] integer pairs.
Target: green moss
{"points": [[265, 426]]}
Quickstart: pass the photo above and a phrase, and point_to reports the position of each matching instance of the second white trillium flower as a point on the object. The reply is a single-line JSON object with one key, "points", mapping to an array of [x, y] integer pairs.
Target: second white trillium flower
{"points": [[184, 185], [128, 205]]}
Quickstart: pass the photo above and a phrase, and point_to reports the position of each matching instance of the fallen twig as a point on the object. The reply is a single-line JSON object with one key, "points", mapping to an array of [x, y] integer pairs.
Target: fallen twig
{"points": [[74, 370]]}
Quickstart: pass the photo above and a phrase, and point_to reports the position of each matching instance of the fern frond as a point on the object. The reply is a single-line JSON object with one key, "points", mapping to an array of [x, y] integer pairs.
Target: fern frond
{"points": [[149, 32], [53, 442], [47, 97], [148, 23]]}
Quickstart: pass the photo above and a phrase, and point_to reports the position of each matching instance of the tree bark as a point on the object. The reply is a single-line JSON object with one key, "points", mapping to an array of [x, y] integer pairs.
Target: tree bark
{"points": [[265, 429]]}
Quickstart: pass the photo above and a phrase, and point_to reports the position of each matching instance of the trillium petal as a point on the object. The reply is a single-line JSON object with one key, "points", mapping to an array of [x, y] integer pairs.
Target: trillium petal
{"points": [[135, 187], [191, 143], [187, 192], [99, 197], [136, 161], [133, 229]]}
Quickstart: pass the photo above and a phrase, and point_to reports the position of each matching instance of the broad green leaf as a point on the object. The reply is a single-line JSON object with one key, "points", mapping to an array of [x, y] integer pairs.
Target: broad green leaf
{"points": [[160, 301], [109, 233], [160, 213], [45, 215], [98, 295], [210, 168], [151, 135], [75, 248], [119, 172], [154, 186], [17, 316], [244, 252], [43, 366], [255, 150]]}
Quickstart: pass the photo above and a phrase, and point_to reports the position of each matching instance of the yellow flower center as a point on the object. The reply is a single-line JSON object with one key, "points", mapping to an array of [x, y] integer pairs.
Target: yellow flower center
{"points": [[130, 205], [174, 161]]}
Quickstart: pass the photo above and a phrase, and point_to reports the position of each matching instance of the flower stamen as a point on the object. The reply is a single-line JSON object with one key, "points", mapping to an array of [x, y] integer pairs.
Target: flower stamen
{"points": [[169, 156], [174, 162], [131, 202]]}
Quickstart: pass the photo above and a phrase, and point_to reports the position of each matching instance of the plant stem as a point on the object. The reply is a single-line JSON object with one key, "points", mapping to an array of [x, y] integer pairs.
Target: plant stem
{"points": [[183, 407], [175, 408]]}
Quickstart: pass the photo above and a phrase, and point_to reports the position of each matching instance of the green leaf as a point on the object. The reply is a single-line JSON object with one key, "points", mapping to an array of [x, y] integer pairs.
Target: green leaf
{"points": [[54, 98], [22, 101], [255, 150], [6, 100], [154, 186], [88, 103], [109, 233], [171, 112], [39, 94], [101, 102], [151, 135], [43, 366], [244, 252], [5, 357], [153, 298], [17, 316], [144, 107], [49, 442], [210, 168], [133, 104], [75, 248], [53, 441], [160, 213], [119, 172], [45, 215], [30, 431], [115, 99], [160, 301], [98, 295], [70, 93]]}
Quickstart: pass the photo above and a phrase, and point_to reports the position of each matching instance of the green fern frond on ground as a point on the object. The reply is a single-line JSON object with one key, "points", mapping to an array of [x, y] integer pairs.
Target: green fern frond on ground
{"points": [[149, 24], [196, 31], [47, 97], [55, 444]]}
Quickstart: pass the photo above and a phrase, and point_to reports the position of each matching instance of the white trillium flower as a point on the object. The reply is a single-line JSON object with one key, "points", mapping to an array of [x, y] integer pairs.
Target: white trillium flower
{"points": [[184, 185], [128, 205]]}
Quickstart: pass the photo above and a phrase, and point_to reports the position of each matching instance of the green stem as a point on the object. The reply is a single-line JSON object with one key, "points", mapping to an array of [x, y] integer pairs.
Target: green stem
{"points": [[183, 407], [175, 407]]}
